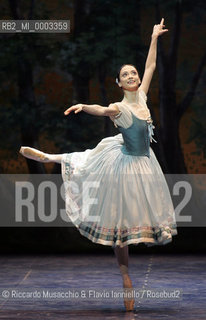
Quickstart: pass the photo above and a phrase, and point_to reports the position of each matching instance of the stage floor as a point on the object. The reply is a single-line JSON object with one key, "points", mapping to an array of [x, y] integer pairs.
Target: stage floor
{"points": [[37, 287]]}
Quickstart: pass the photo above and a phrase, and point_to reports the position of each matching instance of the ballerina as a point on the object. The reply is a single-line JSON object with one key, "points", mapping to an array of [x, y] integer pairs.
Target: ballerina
{"points": [[133, 200]]}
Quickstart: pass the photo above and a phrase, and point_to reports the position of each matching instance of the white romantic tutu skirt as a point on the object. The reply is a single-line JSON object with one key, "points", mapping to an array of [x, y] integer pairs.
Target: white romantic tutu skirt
{"points": [[116, 199]]}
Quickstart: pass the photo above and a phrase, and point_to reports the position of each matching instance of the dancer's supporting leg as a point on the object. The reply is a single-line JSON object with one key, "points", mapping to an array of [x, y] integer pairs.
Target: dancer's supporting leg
{"points": [[122, 255], [40, 156]]}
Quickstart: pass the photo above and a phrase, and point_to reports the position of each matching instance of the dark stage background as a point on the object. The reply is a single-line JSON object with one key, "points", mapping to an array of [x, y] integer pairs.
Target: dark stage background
{"points": [[42, 74]]}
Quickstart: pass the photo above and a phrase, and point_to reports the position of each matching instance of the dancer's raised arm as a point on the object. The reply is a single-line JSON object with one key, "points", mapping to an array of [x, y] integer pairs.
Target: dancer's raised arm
{"points": [[94, 109], [152, 55]]}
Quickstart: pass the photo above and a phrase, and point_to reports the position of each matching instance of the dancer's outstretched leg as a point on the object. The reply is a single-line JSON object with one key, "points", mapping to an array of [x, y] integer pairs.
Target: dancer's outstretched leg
{"points": [[122, 255], [40, 156]]}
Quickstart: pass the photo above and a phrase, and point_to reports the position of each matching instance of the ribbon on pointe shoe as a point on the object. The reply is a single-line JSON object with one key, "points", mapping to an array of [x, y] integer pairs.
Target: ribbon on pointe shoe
{"points": [[128, 289]]}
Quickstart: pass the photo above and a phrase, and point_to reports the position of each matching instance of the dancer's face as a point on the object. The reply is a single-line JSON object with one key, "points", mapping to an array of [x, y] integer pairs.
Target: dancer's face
{"points": [[129, 78]]}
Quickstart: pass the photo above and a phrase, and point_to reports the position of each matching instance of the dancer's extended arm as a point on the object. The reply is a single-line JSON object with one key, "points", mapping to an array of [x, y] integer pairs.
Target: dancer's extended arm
{"points": [[152, 56], [94, 109]]}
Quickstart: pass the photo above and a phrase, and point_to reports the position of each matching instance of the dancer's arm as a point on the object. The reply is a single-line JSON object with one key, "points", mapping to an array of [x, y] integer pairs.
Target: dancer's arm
{"points": [[152, 56], [94, 109]]}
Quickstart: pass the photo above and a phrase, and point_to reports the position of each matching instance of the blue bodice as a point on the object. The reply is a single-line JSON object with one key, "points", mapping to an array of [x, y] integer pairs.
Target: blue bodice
{"points": [[137, 137]]}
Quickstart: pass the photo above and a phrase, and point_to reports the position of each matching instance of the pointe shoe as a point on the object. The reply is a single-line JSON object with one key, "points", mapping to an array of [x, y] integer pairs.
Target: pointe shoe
{"points": [[33, 154], [128, 302]]}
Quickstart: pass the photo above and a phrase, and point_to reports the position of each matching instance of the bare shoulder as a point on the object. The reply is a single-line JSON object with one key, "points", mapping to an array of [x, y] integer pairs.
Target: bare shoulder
{"points": [[114, 106], [112, 110], [141, 90]]}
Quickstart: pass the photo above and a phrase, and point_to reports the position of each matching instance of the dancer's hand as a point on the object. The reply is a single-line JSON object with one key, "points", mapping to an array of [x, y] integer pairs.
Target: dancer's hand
{"points": [[76, 108], [158, 29]]}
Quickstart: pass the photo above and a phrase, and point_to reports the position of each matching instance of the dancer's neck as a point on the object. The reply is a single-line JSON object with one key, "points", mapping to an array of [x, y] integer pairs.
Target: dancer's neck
{"points": [[130, 96]]}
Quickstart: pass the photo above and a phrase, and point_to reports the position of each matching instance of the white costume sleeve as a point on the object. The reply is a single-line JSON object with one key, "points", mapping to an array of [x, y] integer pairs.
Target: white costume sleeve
{"points": [[124, 118], [142, 101]]}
